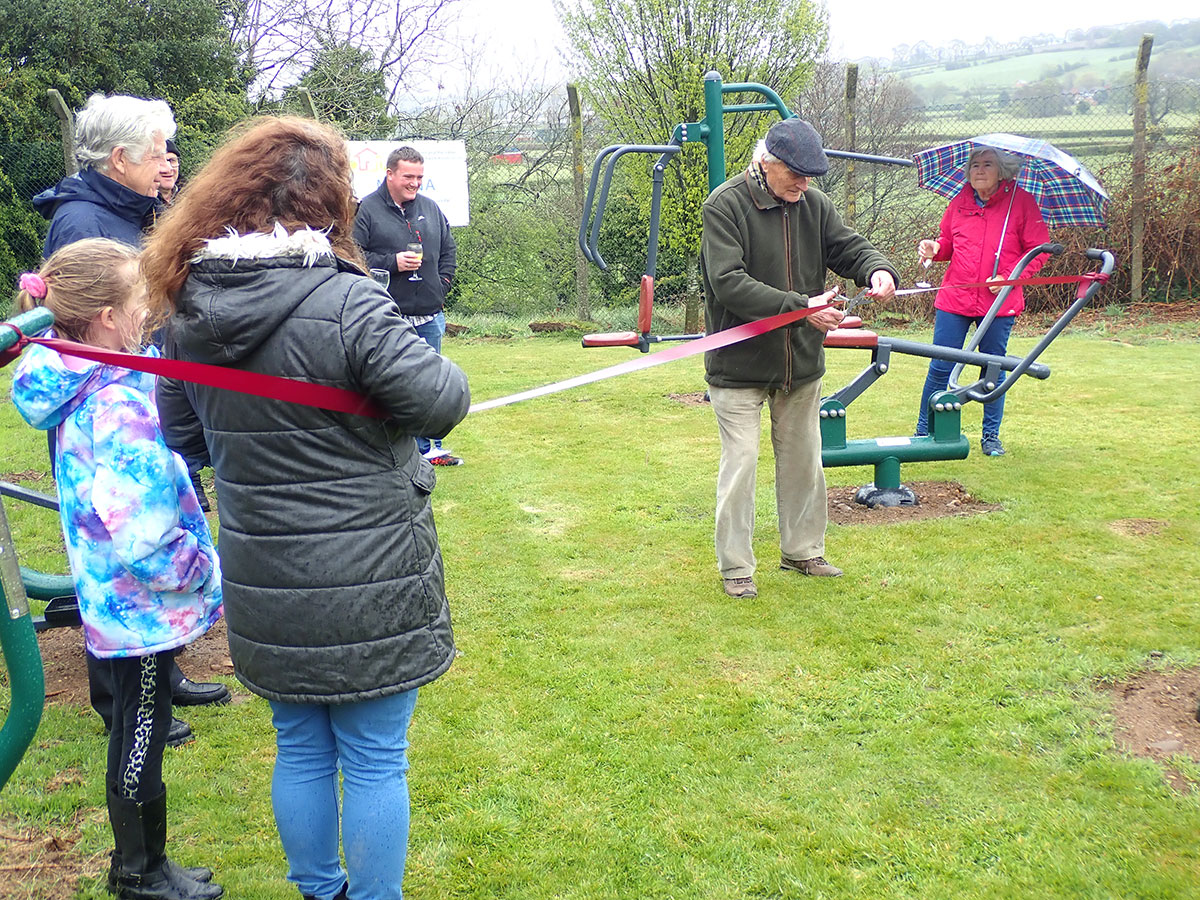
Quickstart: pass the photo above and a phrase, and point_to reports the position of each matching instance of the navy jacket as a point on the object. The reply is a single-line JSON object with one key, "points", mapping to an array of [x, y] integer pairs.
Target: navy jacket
{"points": [[383, 228], [91, 205]]}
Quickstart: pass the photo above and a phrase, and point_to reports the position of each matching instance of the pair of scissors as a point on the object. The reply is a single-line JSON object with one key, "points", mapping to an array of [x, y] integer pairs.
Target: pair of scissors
{"points": [[859, 299]]}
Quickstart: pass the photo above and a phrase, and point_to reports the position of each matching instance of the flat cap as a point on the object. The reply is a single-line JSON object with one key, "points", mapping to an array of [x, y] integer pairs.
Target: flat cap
{"points": [[798, 146], [171, 148]]}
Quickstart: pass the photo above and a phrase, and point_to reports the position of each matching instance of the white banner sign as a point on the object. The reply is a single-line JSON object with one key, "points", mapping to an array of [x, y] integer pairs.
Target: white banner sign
{"points": [[445, 172]]}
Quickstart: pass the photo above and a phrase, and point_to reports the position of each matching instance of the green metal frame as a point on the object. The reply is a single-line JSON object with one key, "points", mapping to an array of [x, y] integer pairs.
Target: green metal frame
{"points": [[18, 641], [713, 137]]}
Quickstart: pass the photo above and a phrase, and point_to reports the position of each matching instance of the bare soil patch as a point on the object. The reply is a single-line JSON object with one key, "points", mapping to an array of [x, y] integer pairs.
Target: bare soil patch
{"points": [[935, 499], [1156, 718], [693, 398], [27, 475], [66, 671], [1138, 527], [42, 864]]}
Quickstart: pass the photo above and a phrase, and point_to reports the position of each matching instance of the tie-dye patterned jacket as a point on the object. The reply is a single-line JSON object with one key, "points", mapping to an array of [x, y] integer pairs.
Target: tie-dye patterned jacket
{"points": [[143, 561]]}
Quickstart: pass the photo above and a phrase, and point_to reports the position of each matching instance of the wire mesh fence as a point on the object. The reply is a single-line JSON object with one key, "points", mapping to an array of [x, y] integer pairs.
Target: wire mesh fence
{"points": [[1097, 128], [26, 169]]}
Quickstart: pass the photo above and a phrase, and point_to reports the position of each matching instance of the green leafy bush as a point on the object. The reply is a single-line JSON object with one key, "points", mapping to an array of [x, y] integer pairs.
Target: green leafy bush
{"points": [[20, 241], [516, 257]]}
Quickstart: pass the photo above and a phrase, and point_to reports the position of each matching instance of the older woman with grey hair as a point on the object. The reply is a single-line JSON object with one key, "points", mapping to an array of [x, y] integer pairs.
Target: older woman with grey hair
{"points": [[121, 148], [988, 226], [120, 145]]}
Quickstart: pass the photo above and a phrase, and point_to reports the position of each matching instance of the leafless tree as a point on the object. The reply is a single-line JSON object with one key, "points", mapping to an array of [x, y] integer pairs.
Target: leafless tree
{"points": [[890, 210], [283, 38], [493, 111]]}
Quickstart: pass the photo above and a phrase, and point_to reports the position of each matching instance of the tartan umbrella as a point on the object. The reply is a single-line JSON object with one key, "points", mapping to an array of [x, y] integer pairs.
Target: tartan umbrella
{"points": [[1066, 192]]}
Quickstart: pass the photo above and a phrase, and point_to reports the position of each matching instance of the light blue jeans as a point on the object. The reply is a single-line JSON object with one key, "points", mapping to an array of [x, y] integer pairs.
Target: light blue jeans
{"points": [[950, 330], [367, 742], [431, 333]]}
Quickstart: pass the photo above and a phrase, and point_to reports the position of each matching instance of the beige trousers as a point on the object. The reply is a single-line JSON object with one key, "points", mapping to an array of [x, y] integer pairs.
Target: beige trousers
{"points": [[799, 477]]}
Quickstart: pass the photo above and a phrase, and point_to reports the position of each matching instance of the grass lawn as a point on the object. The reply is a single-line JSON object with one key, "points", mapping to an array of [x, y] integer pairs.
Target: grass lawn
{"points": [[929, 726]]}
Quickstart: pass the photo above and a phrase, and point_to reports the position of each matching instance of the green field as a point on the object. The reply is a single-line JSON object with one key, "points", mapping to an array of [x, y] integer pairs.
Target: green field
{"points": [[1110, 65], [1104, 65]]}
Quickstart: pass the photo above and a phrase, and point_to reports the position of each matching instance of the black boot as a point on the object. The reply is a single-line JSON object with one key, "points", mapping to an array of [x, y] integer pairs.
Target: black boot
{"points": [[192, 693], [179, 733], [144, 872], [194, 873], [341, 895], [185, 692]]}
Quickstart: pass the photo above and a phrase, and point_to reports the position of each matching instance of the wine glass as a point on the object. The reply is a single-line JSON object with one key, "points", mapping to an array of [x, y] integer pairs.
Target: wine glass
{"points": [[415, 247], [382, 277], [923, 262]]}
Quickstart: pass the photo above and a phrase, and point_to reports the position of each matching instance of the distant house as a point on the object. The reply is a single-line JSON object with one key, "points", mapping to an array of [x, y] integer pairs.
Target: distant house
{"points": [[511, 155]]}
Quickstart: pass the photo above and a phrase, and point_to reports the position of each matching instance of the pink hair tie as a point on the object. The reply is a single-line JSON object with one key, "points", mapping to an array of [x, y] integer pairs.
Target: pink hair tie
{"points": [[33, 284]]}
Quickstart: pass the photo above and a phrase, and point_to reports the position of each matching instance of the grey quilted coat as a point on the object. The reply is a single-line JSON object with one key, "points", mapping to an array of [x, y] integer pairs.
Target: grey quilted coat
{"points": [[332, 571]]}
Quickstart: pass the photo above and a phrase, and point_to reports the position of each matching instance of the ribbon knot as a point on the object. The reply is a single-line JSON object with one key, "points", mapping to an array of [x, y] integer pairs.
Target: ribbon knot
{"points": [[10, 354], [1089, 278]]}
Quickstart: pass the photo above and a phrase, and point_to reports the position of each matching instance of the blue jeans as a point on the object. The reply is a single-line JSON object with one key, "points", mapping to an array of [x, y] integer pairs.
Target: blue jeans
{"points": [[431, 333], [950, 330], [367, 742]]}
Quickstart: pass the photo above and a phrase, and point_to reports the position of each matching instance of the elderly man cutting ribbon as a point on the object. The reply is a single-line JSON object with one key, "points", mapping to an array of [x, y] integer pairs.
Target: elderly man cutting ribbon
{"points": [[769, 238]]}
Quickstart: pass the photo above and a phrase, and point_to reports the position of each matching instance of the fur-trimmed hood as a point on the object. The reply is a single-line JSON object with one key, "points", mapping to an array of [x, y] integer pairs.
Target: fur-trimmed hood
{"points": [[305, 244], [243, 286]]}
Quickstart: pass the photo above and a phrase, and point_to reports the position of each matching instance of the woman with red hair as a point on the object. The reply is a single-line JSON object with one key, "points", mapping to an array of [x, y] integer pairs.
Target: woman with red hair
{"points": [[334, 593]]}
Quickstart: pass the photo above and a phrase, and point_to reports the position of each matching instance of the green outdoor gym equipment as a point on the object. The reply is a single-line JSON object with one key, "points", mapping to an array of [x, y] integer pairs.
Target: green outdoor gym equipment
{"points": [[945, 440], [18, 642]]}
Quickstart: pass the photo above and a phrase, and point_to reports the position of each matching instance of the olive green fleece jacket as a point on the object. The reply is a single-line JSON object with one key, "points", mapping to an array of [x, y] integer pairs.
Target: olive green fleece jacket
{"points": [[760, 257]]}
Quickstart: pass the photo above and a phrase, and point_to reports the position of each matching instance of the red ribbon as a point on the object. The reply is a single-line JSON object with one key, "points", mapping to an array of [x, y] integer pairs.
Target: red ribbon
{"points": [[305, 393], [713, 341], [1083, 280], [273, 387]]}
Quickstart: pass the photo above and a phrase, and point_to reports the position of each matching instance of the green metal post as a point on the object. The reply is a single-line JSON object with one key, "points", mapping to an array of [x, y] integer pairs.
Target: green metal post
{"points": [[887, 473], [833, 425], [18, 643], [945, 423], [714, 126]]}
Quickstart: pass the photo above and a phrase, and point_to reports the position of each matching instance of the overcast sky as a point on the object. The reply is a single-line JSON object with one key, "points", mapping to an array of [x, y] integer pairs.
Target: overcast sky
{"points": [[526, 32]]}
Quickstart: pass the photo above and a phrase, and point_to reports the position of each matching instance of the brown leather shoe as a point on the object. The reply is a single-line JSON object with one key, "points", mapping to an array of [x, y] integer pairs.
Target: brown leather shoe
{"points": [[815, 566], [740, 587]]}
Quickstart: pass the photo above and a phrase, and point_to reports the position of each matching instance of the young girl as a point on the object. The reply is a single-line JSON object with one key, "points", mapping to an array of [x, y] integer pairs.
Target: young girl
{"points": [[145, 569]]}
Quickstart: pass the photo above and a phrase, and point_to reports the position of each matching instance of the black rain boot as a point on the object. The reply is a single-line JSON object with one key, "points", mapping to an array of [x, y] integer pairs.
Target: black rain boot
{"points": [[341, 895], [194, 873], [144, 872]]}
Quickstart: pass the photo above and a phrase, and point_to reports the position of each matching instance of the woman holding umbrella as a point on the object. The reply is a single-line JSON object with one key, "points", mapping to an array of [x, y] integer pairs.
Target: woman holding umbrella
{"points": [[988, 226]]}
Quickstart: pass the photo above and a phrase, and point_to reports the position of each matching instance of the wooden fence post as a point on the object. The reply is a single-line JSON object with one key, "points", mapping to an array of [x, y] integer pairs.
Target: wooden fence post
{"points": [[306, 103], [1141, 99], [851, 116], [583, 307], [67, 120]]}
